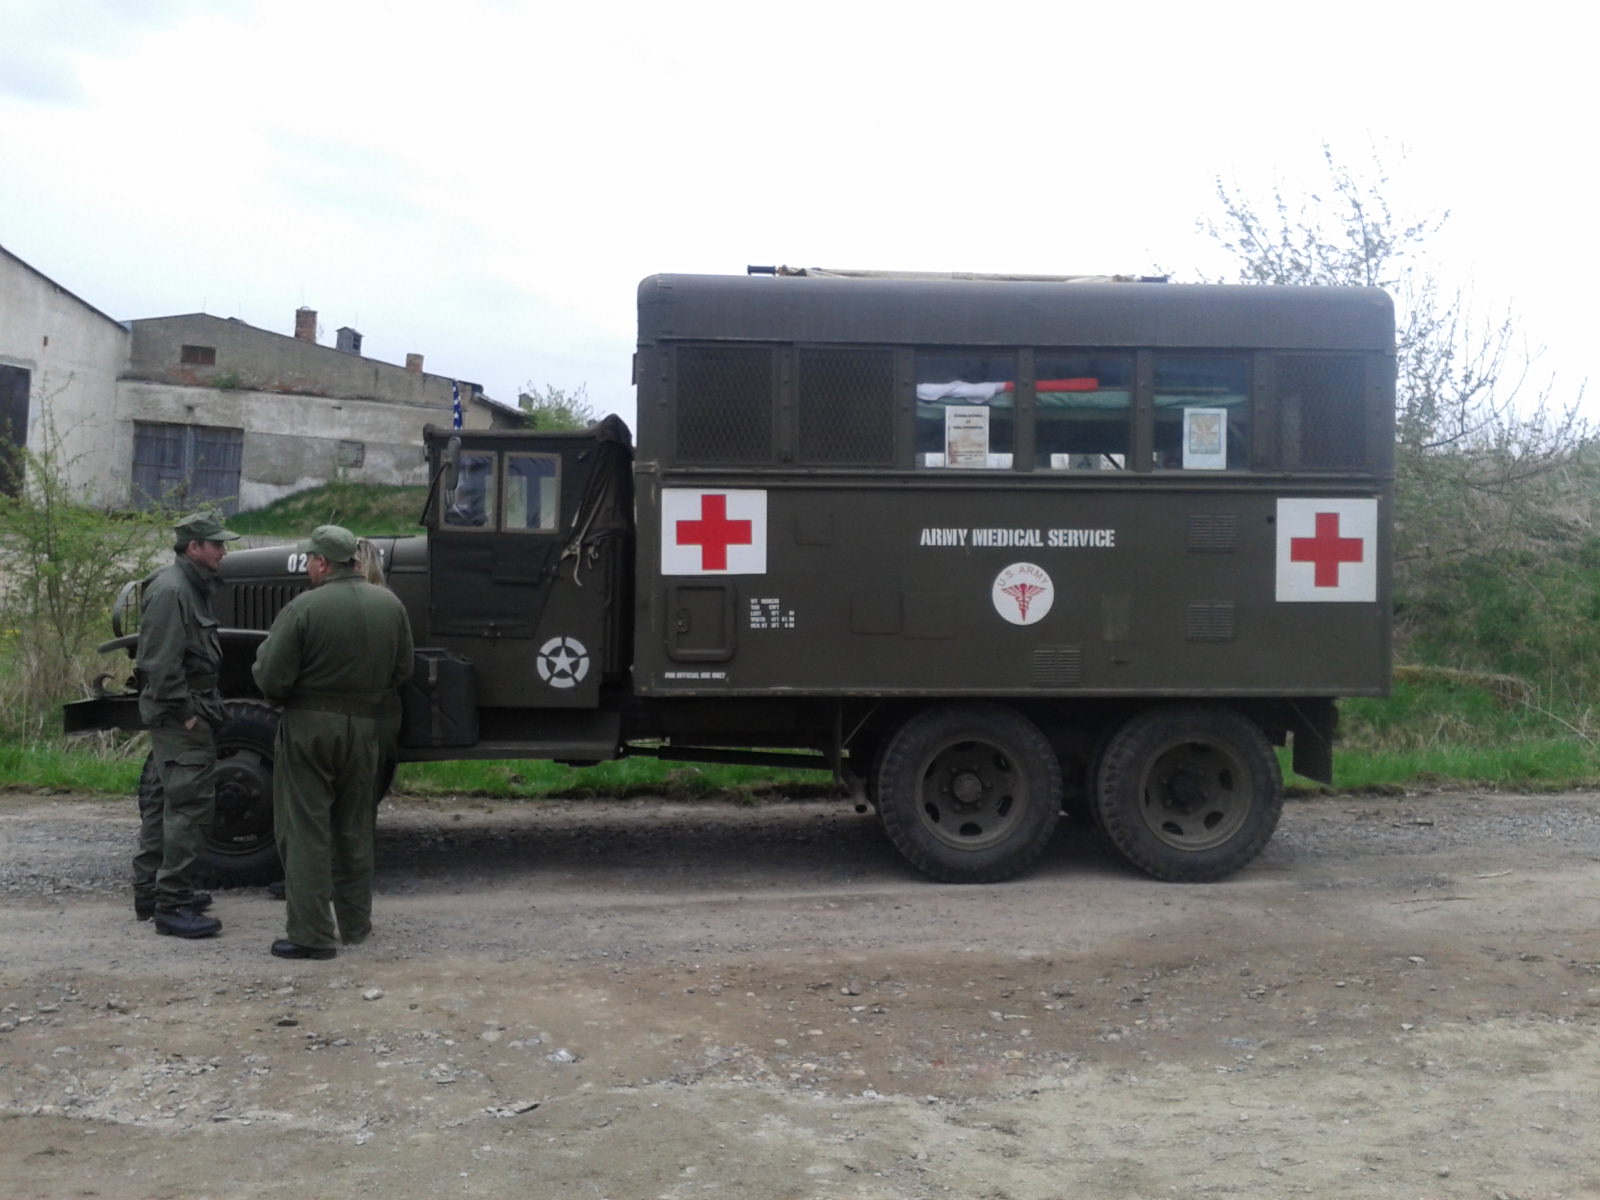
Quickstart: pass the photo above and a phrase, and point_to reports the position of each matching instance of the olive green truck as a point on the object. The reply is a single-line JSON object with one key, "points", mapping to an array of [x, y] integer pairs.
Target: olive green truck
{"points": [[985, 549]]}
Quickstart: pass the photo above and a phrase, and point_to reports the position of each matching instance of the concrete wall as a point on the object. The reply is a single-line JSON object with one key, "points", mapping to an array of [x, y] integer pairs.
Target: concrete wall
{"points": [[74, 353], [305, 410], [290, 442], [258, 359]]}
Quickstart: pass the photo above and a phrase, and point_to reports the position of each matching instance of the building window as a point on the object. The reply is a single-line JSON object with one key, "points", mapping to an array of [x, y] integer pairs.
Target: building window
{"points": [[199, 356], [352, 454]]}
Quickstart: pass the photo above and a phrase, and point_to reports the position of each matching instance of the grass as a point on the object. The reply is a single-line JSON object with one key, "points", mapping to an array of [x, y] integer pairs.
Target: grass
{"points": [[58, 766], [1438, 728], [371, 510], [625, 777]]}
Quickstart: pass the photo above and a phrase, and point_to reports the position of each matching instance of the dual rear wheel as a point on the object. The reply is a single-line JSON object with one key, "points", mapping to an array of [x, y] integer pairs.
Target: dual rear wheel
{"points": [[972, 793]]}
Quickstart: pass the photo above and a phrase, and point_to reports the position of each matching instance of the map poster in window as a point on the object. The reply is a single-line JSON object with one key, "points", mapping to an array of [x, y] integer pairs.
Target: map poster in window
{"points": [[966, 436], [1205, 439]]}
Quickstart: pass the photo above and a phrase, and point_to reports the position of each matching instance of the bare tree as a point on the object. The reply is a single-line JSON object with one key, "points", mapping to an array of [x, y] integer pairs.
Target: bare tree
{"points": [[1483, 457]]}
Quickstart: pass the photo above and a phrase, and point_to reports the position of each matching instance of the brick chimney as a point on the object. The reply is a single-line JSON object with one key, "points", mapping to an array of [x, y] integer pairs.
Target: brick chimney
{"points": [[414, 363], [305, 324]]}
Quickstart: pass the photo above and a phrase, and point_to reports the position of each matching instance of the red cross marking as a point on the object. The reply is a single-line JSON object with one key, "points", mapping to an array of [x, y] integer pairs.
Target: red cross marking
{"points": [[714, 533], [1327, 550]]}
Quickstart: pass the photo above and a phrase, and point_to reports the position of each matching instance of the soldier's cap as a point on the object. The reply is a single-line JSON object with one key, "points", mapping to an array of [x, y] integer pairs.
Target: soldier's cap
{"points": [[334, 542], [203, 527]]}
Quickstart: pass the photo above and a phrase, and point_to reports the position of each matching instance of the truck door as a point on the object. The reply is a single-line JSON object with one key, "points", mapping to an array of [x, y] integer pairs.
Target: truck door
{"points": [[524, 558]]}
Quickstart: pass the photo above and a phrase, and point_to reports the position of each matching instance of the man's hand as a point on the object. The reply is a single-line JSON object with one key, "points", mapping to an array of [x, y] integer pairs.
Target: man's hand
{"points": [[191, 722]]}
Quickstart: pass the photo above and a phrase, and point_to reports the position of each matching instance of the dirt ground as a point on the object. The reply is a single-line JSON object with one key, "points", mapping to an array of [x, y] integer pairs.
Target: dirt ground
{"points": [[639, 1000]]}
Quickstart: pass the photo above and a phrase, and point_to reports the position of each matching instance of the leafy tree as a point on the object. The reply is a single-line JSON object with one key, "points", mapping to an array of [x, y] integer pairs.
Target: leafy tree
{"points": [[550, 407], [1483, 460]]}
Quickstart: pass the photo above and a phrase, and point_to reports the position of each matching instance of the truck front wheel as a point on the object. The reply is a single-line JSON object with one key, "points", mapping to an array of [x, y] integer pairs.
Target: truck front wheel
{"points": [[1189, 793], [969, 793], [240, 849]]}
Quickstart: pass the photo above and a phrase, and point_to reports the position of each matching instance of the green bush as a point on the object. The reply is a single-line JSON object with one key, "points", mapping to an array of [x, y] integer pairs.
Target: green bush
{"points": [[62, 562]]}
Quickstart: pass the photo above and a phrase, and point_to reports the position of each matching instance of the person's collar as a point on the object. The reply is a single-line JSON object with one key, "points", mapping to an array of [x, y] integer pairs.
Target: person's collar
{"points": [[198, 572]]}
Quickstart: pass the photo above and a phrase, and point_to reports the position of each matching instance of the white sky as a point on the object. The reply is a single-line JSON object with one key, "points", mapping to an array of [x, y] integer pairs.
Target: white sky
{"points": [[486, 181]]}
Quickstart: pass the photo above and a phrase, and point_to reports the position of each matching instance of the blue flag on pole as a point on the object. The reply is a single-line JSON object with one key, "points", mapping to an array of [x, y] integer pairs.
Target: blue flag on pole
{"points": [[455, 404]]}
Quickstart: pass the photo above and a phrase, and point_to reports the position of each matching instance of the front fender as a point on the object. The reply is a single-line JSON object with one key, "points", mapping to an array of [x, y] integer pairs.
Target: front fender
{"points": [[120, 710]]}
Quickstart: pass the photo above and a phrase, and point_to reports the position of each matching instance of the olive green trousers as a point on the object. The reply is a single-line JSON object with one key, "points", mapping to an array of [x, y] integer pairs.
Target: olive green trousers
{"points": [[324, 774], [175, 816]]}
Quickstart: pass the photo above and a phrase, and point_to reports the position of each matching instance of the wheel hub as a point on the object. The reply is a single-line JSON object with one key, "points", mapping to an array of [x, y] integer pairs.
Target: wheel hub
{"points": [[967, 789]]}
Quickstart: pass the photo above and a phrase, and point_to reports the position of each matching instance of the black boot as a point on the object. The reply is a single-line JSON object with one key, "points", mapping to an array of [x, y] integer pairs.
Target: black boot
{"points": [[284, 948], [184, 922], [145, 909], [277, 889]]}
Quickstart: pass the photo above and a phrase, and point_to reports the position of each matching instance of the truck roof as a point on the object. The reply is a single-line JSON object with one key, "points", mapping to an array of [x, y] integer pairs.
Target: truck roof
{"points": [[900, 311]]}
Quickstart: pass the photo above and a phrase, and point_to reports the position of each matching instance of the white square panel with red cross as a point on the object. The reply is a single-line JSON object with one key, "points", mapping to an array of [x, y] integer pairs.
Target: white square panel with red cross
{"points": [[1328, 550], [713, 531]]}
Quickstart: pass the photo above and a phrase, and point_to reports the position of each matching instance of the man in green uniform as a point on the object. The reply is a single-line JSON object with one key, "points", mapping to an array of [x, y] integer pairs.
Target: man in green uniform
{"points": [[179, 656], [334, 656]]}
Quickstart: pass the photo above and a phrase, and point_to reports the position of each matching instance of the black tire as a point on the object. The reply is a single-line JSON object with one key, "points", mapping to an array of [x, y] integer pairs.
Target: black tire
{"points": [[969, 793], [240, 849], [1189, 793]]}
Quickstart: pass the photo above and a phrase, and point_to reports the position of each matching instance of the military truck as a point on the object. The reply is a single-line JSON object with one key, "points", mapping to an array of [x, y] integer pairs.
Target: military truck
{"points": [[985, 549]]}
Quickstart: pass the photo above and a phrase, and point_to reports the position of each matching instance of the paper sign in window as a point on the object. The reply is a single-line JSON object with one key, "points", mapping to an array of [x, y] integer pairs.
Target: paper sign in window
{"points": [[966, 436], [1205, 439]]}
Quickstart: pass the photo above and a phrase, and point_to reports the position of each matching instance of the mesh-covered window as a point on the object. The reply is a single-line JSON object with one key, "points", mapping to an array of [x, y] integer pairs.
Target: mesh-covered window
{"points": [[846, 407], [1321, 406], [724, 404]]}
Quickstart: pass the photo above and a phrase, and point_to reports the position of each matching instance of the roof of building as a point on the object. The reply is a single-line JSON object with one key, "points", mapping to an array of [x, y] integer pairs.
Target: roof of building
{"points": [[68, 292]]}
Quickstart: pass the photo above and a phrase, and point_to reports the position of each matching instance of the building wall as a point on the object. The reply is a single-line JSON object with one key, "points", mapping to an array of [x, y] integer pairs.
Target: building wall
{"points": [[291, 442], [248, 357], [307, 413], [74, 354]]}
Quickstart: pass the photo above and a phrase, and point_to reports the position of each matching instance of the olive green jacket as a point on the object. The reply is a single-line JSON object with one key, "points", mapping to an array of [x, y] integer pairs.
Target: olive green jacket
{"points": [[344, 646], [180, 652]]}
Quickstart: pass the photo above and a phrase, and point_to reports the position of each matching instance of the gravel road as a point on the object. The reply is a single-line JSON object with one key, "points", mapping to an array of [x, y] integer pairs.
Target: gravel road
{"points": [[1400, 998]]}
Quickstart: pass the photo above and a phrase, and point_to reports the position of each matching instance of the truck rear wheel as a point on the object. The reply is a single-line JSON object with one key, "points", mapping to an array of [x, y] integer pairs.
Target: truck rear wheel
{"points": [[1189, 793], [969, 793]]}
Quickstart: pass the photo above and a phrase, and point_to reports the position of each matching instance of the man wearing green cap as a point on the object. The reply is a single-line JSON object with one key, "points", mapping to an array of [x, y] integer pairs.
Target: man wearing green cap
{"points": [[334, 658], [179, 657]]}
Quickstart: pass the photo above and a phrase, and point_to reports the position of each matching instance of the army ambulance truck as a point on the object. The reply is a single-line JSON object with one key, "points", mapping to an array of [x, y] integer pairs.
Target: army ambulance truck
{"points": [[987, 550]]}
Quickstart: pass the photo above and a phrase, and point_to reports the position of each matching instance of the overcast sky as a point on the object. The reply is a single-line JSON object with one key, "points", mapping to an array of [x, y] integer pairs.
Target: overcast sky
{"points": [[485, 182]]}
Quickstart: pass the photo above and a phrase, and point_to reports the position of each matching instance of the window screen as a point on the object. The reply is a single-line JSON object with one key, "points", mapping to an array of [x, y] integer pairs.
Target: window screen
{"points": [[724, 404], [846, 406], [1321, 410]]}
